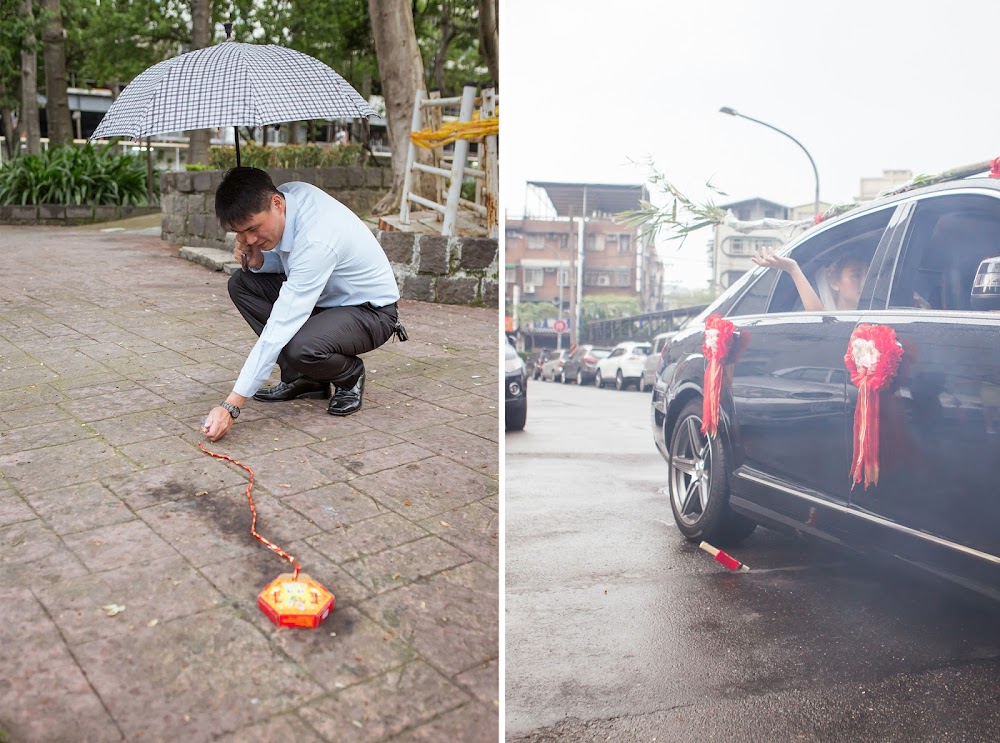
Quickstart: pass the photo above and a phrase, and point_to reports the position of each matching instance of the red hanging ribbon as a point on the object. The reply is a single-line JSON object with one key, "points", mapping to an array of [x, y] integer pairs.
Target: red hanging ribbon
{"points": [[995, 168], [253, 510], [718, 338], [872, 358]]}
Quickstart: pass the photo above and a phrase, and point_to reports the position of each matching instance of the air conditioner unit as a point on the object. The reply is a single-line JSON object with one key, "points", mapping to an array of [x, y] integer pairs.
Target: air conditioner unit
{"points": [[551, 269], [529, 289], [604, 281]]}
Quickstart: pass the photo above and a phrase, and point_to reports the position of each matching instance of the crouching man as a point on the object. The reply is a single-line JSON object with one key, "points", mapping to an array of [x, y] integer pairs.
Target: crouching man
{"points": [[316, 287]]}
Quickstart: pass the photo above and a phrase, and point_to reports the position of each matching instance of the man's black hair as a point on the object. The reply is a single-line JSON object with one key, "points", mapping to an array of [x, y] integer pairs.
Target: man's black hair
{"points": [[243, 193]]}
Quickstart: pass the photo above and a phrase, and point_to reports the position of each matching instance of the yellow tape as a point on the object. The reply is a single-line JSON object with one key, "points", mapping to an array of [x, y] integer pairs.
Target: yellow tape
{"points": [[455, 130]]}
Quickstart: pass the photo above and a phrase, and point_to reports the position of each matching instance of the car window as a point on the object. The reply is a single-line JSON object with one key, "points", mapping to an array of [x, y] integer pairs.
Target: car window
{"points": [[754, 299], [600, 353], [830, 259], [617, 352], [947, 239]]}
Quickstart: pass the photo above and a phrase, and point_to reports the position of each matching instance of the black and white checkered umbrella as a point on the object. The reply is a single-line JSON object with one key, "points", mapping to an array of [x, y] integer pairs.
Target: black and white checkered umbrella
{"points": [[230, 84]]}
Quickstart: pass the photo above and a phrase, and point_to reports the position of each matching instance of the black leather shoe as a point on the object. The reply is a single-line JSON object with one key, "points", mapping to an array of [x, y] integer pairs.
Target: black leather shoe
{"points": [[301, 387], [347, 400]]}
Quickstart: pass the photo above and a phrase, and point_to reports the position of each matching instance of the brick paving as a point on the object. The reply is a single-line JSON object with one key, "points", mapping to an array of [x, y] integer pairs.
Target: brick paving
{"points": [[112, 349]]}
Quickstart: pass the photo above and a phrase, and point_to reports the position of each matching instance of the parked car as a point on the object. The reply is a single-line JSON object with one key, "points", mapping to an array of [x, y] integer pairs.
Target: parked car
{"points": [[652, 362], [534, 363], [515, 390], [623, 365], [785, 445], [582, 365], [552, 367]]}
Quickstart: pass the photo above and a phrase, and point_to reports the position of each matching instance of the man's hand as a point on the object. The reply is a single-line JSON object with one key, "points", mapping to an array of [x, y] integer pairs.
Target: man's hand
{"points": [[247, 256], [217, 423]]}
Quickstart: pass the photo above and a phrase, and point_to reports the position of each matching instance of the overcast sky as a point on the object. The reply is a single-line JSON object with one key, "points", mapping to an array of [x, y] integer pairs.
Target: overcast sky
{"points": [[588, 85]]}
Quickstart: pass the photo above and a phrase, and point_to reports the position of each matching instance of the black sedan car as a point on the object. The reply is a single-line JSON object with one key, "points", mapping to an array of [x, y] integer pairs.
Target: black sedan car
{"points": [[927, 267], [515, 390], [582, 365]]}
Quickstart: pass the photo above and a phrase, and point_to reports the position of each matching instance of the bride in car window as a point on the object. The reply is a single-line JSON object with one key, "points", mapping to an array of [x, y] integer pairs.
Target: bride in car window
{"points": [[838, 283]]}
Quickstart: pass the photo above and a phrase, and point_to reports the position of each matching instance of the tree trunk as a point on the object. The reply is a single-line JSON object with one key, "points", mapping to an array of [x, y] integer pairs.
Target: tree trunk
{"points": [[447, 34], [29, 84], [201, 34], [56, 100], [7, 127], [402, 72], [489, 32]]}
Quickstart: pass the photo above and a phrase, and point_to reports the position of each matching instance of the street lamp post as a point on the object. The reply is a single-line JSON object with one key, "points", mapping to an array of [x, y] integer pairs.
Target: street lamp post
{"points": [[734, 112]]}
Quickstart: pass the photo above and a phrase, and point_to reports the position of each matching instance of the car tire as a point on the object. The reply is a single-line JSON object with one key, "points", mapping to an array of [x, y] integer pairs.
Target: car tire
{"points": [[642, 383], [562, 377], [516, 421], [599, 380], [579, 378], [698, 484], [619, 381]]}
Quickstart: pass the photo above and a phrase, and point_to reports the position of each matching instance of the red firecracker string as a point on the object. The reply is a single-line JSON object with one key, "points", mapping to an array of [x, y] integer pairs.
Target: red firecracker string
{"points": [[718, 338], [253, 510]]}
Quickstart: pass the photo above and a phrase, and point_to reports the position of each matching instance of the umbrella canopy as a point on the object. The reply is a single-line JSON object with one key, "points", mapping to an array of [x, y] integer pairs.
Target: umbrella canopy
{"points": [[230, 84]]}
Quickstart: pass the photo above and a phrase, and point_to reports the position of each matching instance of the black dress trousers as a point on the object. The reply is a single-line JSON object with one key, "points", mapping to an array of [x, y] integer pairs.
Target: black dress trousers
{"points": [[328, 344]]}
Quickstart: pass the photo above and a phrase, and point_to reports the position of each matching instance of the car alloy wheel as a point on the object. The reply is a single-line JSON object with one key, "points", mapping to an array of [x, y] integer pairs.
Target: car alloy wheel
{"points": [[697, 484], [579, 377], [599, 379], [619, 381]]}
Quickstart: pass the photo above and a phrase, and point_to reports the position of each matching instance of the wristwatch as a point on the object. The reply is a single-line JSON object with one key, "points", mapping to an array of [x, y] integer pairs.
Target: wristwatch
{"points": [[233, 410]]}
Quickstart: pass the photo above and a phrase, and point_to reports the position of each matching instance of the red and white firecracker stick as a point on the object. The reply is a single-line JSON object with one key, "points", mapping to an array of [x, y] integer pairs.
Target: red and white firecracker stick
{"points": [[723, 559]]}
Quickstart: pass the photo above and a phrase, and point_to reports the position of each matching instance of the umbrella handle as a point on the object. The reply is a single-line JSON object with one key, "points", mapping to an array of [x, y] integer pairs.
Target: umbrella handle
{"points": [[236, 132]]}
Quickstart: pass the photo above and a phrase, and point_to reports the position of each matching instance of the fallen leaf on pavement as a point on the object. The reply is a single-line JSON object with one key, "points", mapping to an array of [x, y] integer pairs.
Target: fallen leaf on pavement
{"points": [[445, 523], [202, 492], [113, 609], [406, 502]]}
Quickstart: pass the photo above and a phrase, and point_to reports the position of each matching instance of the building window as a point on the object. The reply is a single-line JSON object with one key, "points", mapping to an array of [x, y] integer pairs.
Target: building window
{"points": [[596, 278], [594, 242], [536, 242], [624, 244], [510, 275], [621, 277], [747, 245], [563, 278], [534, 276]]}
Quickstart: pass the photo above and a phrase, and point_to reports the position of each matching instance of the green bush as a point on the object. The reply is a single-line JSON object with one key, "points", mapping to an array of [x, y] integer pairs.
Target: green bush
{"points": [[95, 176], [285, 156]]}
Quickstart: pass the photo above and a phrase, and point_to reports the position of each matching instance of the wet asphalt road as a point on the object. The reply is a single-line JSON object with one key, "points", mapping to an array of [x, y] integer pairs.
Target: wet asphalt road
{"points": [[618, 629]]}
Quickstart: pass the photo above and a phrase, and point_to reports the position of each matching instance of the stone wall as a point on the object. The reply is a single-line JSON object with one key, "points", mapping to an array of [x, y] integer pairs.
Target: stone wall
{"points": [[429, 268], [187, 199], [70, 215]]}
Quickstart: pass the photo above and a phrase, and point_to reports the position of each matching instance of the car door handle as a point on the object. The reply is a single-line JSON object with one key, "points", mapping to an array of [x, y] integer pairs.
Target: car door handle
{"points": [[812, 395]]}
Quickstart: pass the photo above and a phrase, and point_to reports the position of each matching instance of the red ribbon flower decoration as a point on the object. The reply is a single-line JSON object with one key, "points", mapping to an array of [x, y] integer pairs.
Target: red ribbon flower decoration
{"points": [[872, 358], [995, 168], [718, 339]]}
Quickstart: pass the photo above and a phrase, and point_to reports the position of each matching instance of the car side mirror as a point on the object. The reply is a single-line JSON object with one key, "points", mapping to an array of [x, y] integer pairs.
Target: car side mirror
{"points": [[986, 286]]}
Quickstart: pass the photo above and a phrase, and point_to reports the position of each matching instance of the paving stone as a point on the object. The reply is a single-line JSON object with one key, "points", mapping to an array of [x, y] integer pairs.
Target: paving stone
{"points": [[44, 694], [334, 505], [348, 648], [281, 727], [385, 458], [137, 427], [463, 447], [146, 488], [13, 508], [110, 547], [398, 566], [65, 464], [432, 486], [384, 706], [221, 672], [348, 446], [474, 529], [30, 552], [152, 592], [483, 682], [450, 618], [157, 452], [470, 724], [118, 403], [79, 508], [399, 418]]}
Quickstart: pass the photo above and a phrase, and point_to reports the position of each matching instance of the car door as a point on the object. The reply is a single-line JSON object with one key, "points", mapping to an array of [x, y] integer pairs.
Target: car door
{"points": [[789, 431], [940, 422]]}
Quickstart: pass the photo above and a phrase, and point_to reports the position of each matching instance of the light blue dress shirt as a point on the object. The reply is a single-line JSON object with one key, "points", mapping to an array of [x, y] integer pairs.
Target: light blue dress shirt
{"points": [[331, 259]]}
